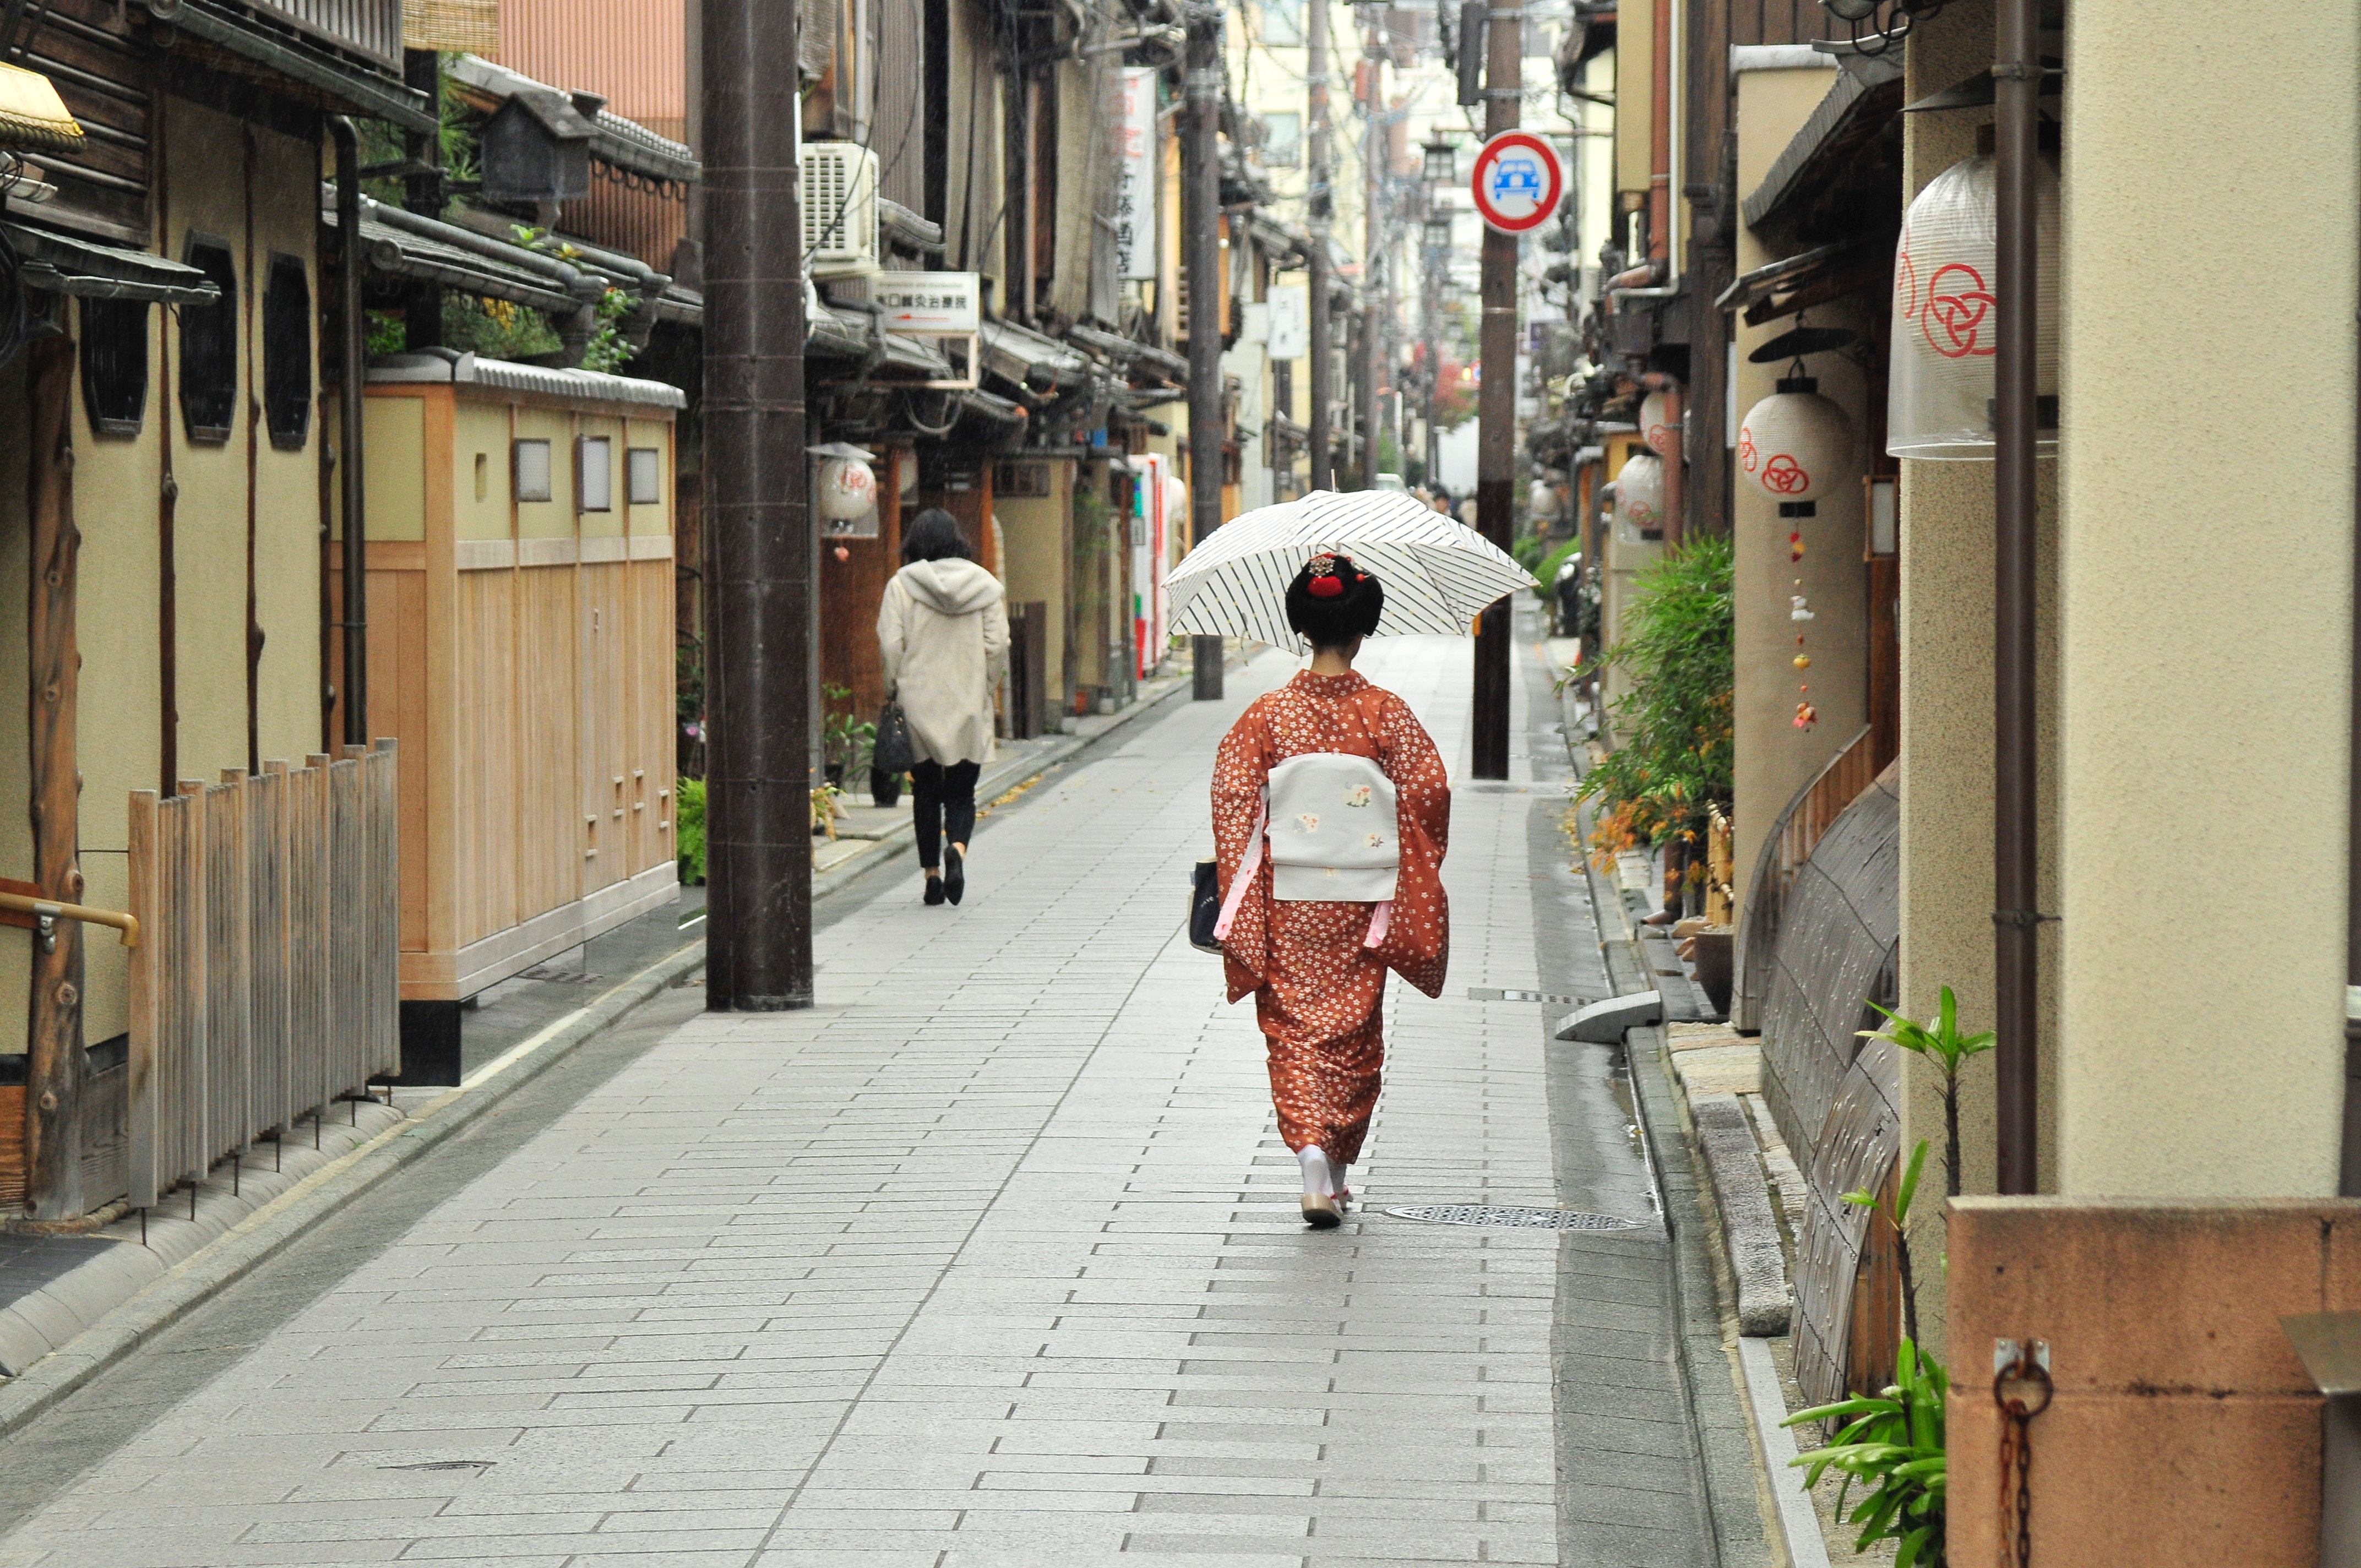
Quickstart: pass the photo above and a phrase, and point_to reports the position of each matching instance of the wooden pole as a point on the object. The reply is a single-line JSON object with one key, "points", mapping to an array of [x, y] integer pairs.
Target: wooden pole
{"points": [[1496, 439], [53, 1039]]}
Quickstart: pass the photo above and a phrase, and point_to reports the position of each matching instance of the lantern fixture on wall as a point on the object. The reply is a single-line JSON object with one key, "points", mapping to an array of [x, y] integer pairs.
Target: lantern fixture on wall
{"points": [[1795, 445], [1440, 166], [845, 490], [1640, 494], [1658, 426], [1946, 317]]}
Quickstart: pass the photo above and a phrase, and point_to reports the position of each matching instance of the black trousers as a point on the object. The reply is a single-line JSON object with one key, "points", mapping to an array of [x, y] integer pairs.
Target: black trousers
{"points": [[942, 802]]}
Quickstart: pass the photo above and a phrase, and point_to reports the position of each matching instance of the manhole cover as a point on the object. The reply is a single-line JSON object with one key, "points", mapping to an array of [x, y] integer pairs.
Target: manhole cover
{"points": [[1517, 1218]]}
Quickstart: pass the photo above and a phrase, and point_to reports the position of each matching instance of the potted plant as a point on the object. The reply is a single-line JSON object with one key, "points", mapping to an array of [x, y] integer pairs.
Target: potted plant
{"points": [[846, 738]]}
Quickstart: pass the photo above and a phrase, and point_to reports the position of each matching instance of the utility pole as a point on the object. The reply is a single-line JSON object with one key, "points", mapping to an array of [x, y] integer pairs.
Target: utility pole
{"points": [[757, 520], [1200, 186], [1322, 206], [1373, 260], [1496, 407]]}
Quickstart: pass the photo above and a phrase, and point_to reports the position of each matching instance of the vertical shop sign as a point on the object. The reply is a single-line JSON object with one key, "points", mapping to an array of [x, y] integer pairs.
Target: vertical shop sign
{"points": [[1134, 171]]}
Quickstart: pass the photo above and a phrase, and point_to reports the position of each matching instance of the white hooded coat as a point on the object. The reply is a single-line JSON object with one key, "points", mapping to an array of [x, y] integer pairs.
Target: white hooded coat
{"points": [[943, 630]]}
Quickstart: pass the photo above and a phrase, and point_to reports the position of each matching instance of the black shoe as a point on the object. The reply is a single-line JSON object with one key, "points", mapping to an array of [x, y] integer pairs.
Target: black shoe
{"points": [[954, 874], [934, 890]]}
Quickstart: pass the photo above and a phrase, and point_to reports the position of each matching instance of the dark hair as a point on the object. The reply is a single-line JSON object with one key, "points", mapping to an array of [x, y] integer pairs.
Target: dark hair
{"points": [[933, 534], [1346, 605]]}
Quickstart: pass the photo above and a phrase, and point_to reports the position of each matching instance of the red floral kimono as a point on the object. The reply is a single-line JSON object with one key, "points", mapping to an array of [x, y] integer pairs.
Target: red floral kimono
{"points": [[1318, 991]]}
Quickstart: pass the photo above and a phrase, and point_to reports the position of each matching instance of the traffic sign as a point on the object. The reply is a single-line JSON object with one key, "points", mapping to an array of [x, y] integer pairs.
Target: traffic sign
{"points": [[1518, 182]]}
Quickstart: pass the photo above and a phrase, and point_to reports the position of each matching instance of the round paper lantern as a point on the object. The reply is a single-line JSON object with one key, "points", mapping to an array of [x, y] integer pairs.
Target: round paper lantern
{"points": [[1656, 427], [1640, 491], [1945, 316], [1795, 445], [847, 489]]}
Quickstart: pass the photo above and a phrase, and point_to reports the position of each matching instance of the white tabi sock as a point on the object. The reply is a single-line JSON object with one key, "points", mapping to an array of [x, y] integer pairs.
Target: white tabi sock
{"points": [[1317, 1182]]}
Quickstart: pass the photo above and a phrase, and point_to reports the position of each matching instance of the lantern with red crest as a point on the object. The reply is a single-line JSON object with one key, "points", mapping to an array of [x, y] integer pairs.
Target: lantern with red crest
{"points": [[1640, 493], [1659, 426], [1947, 316], [1795, 445]]}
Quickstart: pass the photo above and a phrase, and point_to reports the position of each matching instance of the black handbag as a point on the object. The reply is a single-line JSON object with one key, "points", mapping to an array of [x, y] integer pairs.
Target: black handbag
{"points": [[891, 752], [1204, 905]]}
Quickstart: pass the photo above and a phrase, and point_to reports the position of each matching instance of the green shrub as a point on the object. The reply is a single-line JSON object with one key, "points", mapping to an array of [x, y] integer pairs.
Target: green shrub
{"points": [[1673, 759], [688, 830]]}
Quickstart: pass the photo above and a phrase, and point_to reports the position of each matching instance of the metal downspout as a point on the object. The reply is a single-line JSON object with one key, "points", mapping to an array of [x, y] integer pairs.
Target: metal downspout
{"points": [[351, 373], [2016, 863]]}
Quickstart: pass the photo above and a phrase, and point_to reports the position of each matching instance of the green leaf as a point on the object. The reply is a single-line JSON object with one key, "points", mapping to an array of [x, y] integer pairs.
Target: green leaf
{"points": [[1909, 1184]]}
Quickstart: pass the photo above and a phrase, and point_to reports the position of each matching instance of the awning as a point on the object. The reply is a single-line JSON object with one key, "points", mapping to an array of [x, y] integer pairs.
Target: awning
{"points": [[1120, 350], [343, 81], [402, 253], [444, 365], [1863, 99], [1029, 360], [61, 265], [906, 231], [1813, 278], [614, 140], [836, 333]]}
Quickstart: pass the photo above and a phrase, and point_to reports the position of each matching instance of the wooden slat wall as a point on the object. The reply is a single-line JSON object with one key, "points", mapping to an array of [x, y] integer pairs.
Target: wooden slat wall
{"points": [[487, 889], [265, 981], [80, 47], [550, 838]]}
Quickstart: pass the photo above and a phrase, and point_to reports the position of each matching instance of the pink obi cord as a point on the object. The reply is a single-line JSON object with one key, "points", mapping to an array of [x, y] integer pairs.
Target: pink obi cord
{"points": [[1380, 918]]}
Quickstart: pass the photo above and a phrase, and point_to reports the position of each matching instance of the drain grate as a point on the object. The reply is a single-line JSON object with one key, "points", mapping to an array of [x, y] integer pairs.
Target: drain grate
{"points": [[1512, 1217]]}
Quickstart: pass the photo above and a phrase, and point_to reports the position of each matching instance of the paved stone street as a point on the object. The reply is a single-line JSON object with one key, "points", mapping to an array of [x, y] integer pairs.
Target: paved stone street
{"points": [[992, 1258]]}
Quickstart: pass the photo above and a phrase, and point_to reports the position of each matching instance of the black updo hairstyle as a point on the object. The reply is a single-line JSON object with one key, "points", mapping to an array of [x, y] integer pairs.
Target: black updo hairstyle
{"points": [[933, 535], [1331, 601]]}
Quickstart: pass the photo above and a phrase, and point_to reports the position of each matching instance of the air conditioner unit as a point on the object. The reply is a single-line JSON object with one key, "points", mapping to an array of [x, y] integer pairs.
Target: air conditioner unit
{"points": [[840, 209]]}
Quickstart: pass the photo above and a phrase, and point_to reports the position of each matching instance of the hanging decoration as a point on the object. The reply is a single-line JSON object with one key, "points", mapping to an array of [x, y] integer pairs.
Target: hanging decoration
{"points": [[1640, 493], [848, 495], [1657, 428], [1946, 318]]}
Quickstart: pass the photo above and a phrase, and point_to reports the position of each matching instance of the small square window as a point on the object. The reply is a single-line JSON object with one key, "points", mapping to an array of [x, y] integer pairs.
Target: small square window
{"points": [[644, 470], [594, 476], [532, 464]]}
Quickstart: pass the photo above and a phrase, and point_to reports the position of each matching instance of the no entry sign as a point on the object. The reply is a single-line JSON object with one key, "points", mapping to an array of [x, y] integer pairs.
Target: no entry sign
{"points": [[1518, 182]]}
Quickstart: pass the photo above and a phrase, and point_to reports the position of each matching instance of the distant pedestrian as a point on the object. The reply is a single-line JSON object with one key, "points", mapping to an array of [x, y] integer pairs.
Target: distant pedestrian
{"points": [[943, 630], [1346, 884]]}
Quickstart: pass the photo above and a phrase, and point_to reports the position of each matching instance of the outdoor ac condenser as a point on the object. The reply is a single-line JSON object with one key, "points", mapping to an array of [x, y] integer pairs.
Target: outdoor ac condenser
{"points": [[840, 209]]}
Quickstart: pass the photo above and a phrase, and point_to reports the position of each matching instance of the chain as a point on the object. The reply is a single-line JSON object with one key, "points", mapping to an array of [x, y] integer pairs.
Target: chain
{"points": [[2022, 1389]]}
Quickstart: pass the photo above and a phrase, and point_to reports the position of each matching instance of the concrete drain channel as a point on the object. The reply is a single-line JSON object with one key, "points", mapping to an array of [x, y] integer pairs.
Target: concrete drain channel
{"points": [[1513, 1217]]}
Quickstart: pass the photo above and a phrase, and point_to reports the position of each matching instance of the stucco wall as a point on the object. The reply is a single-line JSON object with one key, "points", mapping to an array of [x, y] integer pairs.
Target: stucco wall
{"points": [[1034, 530], [1773, 758], [2207, 591], [1945, 621]]}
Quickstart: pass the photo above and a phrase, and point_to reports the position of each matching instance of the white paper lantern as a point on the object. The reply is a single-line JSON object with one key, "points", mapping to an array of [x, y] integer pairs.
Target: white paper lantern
{"points": [[847, 489], [1659, 427], [1795, 445], [1640, 492], [1947, 315]]}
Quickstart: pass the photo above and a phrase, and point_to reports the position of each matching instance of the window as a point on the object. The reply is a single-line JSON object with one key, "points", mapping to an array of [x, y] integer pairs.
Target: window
{"points": [[643, 470], [1282, 22], [483, 475], [1282, 140], [114, 364], [594, 481], [287, 354], [532, 464], [209, 347]]}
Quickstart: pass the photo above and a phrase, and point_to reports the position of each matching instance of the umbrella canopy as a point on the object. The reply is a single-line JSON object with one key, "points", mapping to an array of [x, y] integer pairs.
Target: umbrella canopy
{"points": [[1438, 573]]}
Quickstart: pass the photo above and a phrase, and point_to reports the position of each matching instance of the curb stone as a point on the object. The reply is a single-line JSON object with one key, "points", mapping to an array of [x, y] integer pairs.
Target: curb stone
{"points": [[270, 1229]]}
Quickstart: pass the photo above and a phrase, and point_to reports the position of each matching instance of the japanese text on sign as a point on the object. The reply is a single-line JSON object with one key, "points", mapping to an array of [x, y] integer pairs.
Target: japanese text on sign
{"points": [[1134, 171]]}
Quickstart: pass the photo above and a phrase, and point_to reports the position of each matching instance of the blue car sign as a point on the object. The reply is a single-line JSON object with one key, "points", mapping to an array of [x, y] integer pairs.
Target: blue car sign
{"points": [[1517, 180]]}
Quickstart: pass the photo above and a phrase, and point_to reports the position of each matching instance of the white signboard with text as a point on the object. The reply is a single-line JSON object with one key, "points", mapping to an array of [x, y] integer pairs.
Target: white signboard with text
{"points": [[1134, 171], [947, 304], [1290, 323]]}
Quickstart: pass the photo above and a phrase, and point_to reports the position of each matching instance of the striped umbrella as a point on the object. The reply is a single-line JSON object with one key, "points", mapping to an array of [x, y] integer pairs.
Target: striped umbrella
{"points": [[1438, 573]]}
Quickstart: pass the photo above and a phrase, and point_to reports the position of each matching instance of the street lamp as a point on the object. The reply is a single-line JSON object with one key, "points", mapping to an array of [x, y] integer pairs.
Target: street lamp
{"points": [[1437, 228], [1441, 166]]}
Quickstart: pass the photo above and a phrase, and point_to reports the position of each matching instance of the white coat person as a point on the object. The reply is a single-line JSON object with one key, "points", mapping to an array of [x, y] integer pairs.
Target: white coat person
{"points": [[944, 628]]}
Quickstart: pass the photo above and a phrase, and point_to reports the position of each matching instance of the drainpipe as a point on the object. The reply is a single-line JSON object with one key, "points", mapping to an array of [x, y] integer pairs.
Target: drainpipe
{"points": [[350, 374], [1675, 460], [2016, 924], [1660, 137], [2348, 1175]]}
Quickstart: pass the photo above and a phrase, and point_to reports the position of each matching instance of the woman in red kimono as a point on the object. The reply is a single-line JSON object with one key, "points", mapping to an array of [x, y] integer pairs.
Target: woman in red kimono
{"points": [[1317, 975]]}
